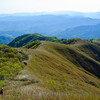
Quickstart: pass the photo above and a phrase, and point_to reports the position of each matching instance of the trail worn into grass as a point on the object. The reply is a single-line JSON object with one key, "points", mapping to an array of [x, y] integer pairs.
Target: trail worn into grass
{"points": [[23, 83]]}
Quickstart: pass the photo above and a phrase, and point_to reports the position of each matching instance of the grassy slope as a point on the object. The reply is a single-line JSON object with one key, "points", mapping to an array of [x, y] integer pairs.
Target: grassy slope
{"points": [[60, 71], [58, 67], [88, 48]]}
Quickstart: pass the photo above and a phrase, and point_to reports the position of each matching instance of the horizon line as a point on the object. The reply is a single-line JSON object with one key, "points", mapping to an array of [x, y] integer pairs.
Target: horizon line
{"points": [[50, 12]]}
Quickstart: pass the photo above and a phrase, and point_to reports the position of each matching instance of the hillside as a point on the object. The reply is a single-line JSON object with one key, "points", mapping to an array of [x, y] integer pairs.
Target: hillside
{"points": [[90, 48], [5, 39], [95, 41], [11, 62], [59, 71], [28, 38]]}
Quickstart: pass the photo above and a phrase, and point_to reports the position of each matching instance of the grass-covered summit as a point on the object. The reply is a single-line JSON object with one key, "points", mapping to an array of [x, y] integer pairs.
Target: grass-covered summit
{"points": [[28, 38]]}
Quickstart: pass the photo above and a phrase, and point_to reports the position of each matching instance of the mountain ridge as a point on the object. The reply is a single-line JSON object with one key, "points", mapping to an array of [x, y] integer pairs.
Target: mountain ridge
{"points": [[56, 70]]}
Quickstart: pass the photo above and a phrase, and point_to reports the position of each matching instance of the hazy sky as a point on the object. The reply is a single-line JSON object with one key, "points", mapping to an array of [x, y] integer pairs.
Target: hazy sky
{"points": [[15, 6]]}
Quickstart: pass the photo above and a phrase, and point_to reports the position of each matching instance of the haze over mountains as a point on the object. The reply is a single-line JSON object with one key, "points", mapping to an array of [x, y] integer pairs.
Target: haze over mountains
{"points": [[83, 14], [84, 32], [69, 13], [60, 24], [5, 39]]}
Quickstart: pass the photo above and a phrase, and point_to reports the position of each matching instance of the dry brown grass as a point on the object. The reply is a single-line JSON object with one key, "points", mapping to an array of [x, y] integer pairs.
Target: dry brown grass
{"points": [[30, 94], [55, 75]]}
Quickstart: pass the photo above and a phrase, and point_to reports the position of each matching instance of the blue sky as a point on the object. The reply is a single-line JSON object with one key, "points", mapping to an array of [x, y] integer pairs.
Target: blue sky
{"points": [[17, 6]]}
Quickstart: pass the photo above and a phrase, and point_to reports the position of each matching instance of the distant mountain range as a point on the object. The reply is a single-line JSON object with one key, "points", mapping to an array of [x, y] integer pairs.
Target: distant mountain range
{"points": [[69, 13], [82, 14], [60, 24], [5, 39], [84, 32]]}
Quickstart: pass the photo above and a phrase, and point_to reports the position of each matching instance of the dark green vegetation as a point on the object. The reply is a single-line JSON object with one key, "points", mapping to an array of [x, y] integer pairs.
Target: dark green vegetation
{"points": [[95, 41], [69, 41], [28, 38], [58, 72], [11, 61], [5, 39], [33, 45]]}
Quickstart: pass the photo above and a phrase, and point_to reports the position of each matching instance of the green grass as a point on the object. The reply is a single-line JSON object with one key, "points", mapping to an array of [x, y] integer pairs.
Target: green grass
{"points": [[11, 61], [28, 38], [2, 84], [32, 45]]}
